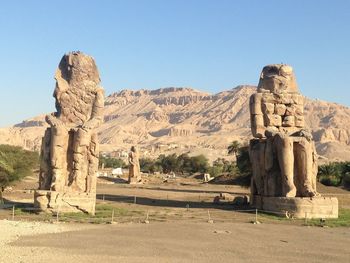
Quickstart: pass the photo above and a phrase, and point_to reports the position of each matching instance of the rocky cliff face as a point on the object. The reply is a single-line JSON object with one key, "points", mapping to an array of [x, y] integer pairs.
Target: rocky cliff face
{"points": [[192, 121]]}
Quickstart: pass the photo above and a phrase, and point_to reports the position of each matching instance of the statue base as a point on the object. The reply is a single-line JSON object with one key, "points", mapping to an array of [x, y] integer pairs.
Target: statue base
{"points": [[68, 202], [298, 207], [135, 180]]}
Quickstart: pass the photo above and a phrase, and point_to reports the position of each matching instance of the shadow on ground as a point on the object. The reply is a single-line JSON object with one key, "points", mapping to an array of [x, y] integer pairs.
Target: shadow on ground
{"points": [[168, 203]]}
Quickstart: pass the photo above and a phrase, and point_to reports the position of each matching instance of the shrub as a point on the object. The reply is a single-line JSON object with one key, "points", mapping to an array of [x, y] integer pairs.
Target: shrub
{"points": [[15, 164], [346, 180], [334, 174], [110, 162], [244, 167], [148, 165]]}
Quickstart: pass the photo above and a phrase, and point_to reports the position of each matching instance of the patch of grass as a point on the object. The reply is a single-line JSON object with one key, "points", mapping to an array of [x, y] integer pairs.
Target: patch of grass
{"points": [[342, 221], [103, 215], [270, 216]]}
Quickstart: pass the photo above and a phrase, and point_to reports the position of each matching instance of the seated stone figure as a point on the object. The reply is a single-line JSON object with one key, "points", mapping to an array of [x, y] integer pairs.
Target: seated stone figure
{"points": [[69, 157], [134, 166], [283, 154]]}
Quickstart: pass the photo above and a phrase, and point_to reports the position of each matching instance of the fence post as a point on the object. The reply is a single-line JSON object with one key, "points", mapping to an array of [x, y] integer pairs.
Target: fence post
{"points": [[13, 213], [209, 218], [112, 217], [147, 218], [57, 214], [135, 199], [305, 217], [256, 215]]}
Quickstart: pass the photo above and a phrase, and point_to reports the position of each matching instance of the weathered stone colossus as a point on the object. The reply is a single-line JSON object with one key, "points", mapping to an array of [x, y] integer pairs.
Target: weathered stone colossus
{"points": [[134, 166], [69, 154], [283, 154]]}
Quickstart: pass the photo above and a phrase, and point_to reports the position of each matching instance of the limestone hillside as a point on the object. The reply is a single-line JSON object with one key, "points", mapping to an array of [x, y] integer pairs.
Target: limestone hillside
{"points": [[185, 120]]}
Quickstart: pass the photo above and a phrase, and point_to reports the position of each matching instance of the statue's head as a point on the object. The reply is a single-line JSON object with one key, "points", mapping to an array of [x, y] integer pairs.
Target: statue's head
{"points": [[133, 149], [77, 74], [277, 78], [76, 67]]}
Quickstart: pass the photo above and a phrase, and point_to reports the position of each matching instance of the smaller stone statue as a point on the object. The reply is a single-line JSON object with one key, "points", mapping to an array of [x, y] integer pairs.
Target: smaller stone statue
{"points": [[134, 166]]}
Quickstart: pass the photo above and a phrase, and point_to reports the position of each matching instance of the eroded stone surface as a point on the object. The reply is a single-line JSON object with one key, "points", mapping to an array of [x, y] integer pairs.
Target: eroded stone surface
{"points": [[299, 207], [69, 152], [283, 155]]}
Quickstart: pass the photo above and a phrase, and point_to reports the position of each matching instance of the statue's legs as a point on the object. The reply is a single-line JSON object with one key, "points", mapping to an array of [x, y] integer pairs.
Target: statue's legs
{"points": [[81, 144], [304, 155], [131, 173], [45, 176], [284, 148], [138, 172], [93, 163], [59, 144], [256, 155]]}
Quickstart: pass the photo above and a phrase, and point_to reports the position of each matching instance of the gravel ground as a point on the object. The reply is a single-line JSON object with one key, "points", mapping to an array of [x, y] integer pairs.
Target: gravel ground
{"points": [[174, 242], [10, 231]]}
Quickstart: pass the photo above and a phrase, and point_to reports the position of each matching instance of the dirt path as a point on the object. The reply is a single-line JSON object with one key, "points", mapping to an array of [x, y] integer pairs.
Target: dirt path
{"points": [[187, 242]]}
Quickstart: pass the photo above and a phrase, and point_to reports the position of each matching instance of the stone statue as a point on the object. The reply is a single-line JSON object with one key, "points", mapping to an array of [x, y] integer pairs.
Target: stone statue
{"points": [[134, 166], [283, 155], [284, 149], [69, 154]]}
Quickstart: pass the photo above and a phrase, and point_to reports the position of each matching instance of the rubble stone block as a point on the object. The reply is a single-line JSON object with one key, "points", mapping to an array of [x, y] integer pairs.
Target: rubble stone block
{"points": [[273, 120], [280, 109], [288, 121]]}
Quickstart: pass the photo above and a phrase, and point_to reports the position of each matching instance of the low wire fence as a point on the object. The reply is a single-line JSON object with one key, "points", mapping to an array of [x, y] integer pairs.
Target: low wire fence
{"points": [[133, 209]]}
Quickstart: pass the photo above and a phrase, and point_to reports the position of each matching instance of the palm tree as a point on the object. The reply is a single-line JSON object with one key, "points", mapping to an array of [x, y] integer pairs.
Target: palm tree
{"points": [[233, 148]]}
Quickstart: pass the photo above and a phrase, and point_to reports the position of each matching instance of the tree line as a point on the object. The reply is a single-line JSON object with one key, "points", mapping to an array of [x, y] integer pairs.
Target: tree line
{"points": [[334, 174], [17, 163]]}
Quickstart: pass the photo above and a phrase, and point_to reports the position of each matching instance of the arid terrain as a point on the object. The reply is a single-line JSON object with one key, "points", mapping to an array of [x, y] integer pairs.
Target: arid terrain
{"points": [[177, 230], [183, 242], [186, 120]]}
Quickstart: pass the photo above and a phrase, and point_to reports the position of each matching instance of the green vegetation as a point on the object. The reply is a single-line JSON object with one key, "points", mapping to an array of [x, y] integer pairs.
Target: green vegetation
{"points": [[182, 164], [103, 214], [221, 166], [240, 171], [233, 148], [244, 167], [110, 162], [334, 174], [148, 165], [15, 164], [342, 221]]}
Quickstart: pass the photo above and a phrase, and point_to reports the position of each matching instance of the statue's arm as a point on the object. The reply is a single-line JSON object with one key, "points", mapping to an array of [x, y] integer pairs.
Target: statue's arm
{"points": [[53, 121], [97, 110]]}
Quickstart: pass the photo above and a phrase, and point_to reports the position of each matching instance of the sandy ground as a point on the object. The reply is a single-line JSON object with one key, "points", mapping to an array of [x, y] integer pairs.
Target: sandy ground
{"points": [[175, 233], [177, 242], [13, 230]]}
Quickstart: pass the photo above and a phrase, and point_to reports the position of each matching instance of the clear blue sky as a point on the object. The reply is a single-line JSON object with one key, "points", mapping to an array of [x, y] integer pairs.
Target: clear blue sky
{"points": [[208, 45]]}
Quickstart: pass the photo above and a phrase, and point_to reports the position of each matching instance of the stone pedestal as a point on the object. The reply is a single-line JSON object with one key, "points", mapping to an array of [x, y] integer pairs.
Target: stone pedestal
{"points": [[52, 201], [298, 207], [134, 180]]}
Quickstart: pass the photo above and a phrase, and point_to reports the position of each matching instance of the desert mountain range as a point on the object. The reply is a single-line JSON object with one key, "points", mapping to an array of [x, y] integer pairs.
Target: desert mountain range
{"points": [[186, 120]]}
